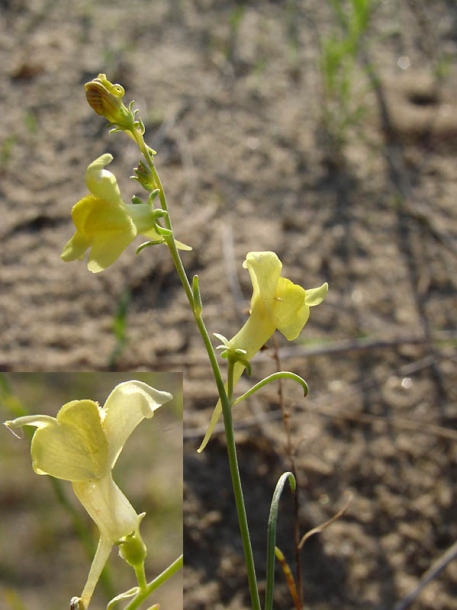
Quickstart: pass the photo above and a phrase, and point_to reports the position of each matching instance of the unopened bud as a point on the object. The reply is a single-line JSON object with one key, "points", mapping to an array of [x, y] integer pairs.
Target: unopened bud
{"points": [[145, 177], [106, 99]]}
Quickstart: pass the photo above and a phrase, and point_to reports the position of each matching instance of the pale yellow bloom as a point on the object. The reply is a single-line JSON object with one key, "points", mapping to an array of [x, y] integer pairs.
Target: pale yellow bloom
{"points": [[105, 225], [276, 304], [82, 445]]}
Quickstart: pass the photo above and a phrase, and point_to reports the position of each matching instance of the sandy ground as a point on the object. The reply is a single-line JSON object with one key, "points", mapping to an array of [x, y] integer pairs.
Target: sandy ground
{"points": [[232, 98]]}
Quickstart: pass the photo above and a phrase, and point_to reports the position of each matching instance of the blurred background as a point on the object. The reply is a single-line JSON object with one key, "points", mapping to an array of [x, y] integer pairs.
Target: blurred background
{"points": [[322, 130], [47, 539]]}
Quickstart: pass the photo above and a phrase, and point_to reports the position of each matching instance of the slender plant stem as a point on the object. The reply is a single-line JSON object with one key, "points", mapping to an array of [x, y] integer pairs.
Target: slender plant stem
{"points": [[238, 491], [145, 151], [229, 431], [141, 576], [145, 592]]}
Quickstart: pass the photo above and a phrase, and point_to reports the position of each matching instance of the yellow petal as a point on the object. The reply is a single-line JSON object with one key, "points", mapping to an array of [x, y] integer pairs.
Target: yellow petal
{"points": [[108, 506], [127, 405], [76, 247], [264, 269], [107, 248], [103, 226], [290, 313], [73, 445], [315, 296], [101, 182]]}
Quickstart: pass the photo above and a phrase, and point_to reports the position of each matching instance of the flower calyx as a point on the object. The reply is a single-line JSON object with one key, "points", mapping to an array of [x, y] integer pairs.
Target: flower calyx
{"points": [[233, 355], [132, 548]]}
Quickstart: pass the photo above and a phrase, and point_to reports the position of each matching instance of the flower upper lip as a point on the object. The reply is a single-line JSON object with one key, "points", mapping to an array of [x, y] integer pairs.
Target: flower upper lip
{"points": [[84, 441]]}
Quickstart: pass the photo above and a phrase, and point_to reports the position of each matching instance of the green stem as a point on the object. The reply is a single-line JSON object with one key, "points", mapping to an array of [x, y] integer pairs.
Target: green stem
{"points": [[149, 160], [238, 491], [145, 592], [141, 576], [226, 402]]}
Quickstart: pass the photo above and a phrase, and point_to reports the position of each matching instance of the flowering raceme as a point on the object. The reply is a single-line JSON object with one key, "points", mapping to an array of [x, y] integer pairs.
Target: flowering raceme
{"points": [[276, 304], [104, 223], [82, 445]]}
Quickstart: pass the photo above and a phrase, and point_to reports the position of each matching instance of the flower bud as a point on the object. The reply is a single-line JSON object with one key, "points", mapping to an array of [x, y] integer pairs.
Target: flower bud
{"points": [[106, 99], [145, 177]]}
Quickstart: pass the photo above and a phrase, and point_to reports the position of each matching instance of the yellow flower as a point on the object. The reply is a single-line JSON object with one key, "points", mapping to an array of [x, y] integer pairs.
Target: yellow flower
{"points": [[104, 223], [82, 445], [106, 99], [276, 303]]}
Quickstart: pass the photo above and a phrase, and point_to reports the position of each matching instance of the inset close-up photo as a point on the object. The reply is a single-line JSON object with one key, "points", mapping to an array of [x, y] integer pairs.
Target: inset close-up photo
{"points": [[110, 448]]}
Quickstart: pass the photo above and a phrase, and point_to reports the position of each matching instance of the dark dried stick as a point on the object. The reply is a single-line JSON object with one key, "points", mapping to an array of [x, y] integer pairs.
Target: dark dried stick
{"points": [[429, 575]]}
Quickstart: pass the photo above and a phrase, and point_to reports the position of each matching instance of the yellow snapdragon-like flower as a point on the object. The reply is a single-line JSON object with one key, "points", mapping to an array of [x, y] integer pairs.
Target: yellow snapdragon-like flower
{"points": [[276, 304], [82, 445], [105, 225]]}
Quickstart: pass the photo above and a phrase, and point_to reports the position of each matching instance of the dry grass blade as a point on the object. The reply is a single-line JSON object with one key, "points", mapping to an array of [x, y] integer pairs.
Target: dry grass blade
{"points": [[429, 575], [323, 526]]}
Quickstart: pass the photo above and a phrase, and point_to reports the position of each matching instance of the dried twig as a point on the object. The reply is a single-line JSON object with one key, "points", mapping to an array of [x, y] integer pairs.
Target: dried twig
{"points": [[429, 575], [323, 526], [230, 268]]}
